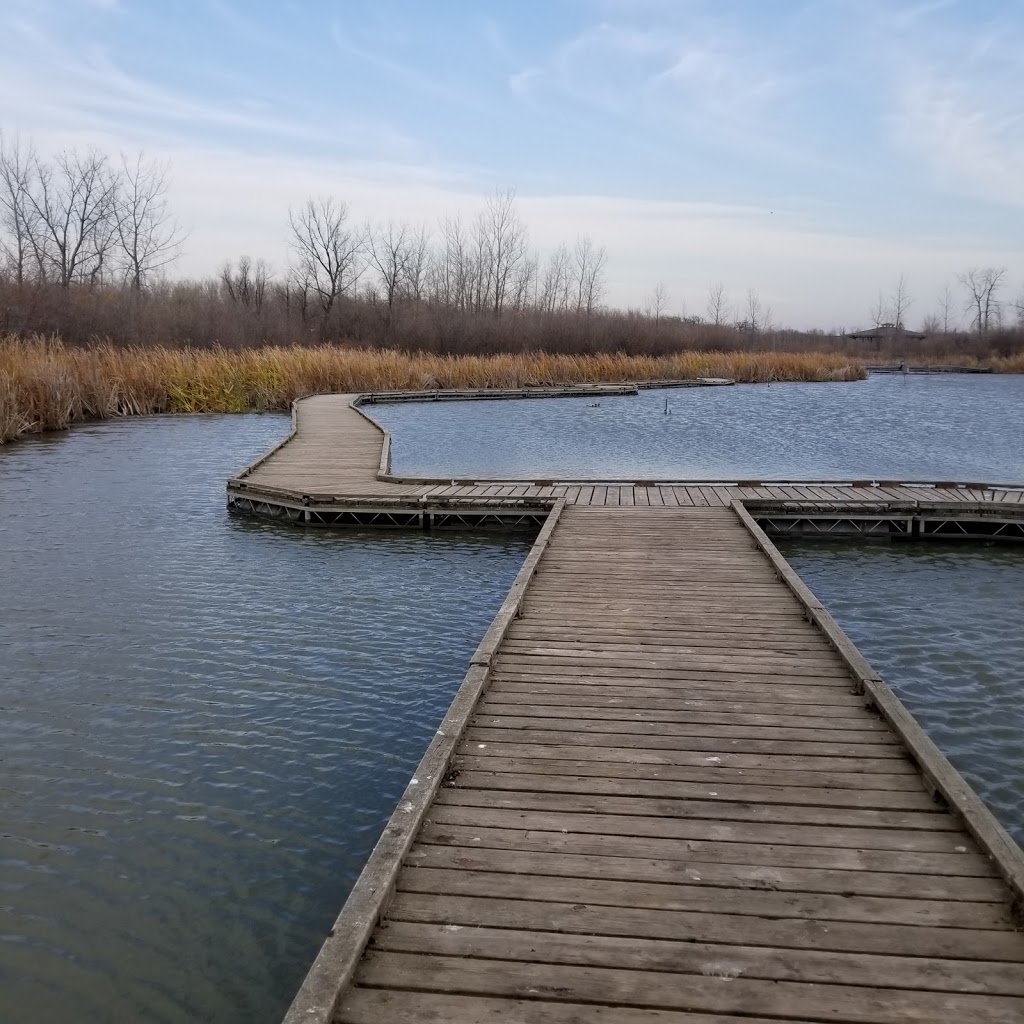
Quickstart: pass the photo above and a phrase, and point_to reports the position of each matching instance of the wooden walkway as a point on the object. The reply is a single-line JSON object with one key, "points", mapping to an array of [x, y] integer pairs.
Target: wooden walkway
{"points": [[669, 791], [337, 450], [668, 799]]}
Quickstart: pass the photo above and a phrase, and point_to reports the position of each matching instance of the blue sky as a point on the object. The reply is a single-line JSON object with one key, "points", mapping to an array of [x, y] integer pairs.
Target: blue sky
{"points": [[811, 150]]}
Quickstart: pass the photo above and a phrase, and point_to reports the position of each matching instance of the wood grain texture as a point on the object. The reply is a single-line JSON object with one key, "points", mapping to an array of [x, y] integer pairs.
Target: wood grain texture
{"points": [[654, 810]]}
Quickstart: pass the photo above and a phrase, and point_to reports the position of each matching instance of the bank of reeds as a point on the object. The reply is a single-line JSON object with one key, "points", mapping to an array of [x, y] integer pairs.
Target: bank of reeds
{"points": [[45, 385], [1008, 364]]}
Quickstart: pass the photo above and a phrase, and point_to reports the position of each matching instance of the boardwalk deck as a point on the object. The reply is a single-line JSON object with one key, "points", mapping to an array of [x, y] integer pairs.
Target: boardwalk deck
{"points": [[668, 799], [663, 796]]}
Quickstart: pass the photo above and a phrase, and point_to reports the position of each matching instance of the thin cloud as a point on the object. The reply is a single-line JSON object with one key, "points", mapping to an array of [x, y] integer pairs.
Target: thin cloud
{"points": [[956, 100], [47, 82]]}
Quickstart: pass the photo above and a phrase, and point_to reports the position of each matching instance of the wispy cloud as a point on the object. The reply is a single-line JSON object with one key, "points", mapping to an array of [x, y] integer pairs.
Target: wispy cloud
{"points": [[48, 83], [972, 141], [955, 97], [410, 75], [691, 77]]}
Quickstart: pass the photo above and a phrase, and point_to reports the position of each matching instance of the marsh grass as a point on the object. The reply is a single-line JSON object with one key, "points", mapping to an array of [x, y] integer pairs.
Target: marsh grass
{"points": [[45, 385]]}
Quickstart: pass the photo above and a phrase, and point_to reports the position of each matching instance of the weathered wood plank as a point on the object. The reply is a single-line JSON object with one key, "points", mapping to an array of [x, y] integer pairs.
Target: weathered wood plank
{"points": [[678, 958], [628, 860], [620, 987], [688, 926]]}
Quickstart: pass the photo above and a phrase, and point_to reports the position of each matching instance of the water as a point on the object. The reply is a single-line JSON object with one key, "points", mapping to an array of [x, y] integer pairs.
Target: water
{"points": [[204, 720], [942, 624], [942, 427]]}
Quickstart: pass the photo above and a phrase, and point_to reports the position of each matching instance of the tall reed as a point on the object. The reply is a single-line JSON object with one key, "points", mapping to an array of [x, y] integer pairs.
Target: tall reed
{"points": [[47, 386]]}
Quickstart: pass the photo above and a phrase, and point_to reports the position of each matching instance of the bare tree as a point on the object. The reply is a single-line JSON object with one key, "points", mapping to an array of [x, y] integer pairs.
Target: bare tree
{"points": [[17, 164], [658, 302], [418, 263], [891, 309], [502, 245], [879, 312], [73, 208], [589, 263], [523, 293], [556, 283], [1018, 309], [945, 319], [754, 318], [899, 302], [448, 272], [148, 237], [246, 284], [326, 251], [981, 284], [389, 249], [718, 306]]}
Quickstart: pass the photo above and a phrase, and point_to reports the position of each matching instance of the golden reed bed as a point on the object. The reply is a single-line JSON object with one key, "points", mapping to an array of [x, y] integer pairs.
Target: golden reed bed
{"points": [[47, 386]]}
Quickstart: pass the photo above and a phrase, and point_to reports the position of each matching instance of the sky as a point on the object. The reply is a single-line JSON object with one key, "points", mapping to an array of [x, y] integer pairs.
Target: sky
{"points": [[813, 151]]}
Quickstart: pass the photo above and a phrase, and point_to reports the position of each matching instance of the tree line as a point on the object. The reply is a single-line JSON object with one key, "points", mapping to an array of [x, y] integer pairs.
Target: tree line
{"points": [[88, 242], [83, 218], [980, 305]]}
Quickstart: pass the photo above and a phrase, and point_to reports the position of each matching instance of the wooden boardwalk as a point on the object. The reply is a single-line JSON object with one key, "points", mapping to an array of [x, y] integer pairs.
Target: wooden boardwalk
{"points": [[336, 450], [669, 791]]}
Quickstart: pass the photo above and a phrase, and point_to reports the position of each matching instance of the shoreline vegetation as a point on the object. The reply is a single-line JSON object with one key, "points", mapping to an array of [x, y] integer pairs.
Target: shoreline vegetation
{"points": [[94, 323], [46, 385]]}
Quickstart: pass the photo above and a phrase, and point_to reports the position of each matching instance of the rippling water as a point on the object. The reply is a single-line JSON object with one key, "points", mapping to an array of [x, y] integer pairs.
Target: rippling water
{"points": [[942, 624], [941, 427], [204, 720]]}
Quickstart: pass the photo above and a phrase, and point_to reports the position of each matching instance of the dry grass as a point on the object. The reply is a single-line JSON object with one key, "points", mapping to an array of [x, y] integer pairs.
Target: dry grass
{"points": [[47, 386], [1008, 364]]}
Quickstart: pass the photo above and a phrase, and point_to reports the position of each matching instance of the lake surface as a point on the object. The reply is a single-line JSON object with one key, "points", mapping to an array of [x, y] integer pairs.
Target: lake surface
{"points": [[942, 624], [205, 720], [940, 427]]}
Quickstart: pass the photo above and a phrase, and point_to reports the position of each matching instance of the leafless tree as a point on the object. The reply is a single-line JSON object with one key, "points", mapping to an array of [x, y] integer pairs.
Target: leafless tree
{"points": [[718, 306], [73, 213], [879, 312], [754, 312], [981, 284], [589, 264], [246, 284], [17, 163], [899, 302], [945, 321], [501, 245], [447, 273], [326, 251], [1018, 309], [556, 283], [523, 293], [389, 250], [658, 302], [418, 263], [148, 237]]}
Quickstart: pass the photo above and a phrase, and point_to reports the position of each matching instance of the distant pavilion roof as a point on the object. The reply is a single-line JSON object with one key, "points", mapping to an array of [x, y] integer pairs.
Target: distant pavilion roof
{"points": [[889, 332]]}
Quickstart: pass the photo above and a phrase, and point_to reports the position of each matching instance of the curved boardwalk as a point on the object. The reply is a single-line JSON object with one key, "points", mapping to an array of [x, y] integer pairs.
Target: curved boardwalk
{"points": [[669, 791], [337, 451]]}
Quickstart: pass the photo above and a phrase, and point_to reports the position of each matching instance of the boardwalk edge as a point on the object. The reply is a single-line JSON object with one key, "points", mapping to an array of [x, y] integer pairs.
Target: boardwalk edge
{"points": [[335, 964], [937, 770]]}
